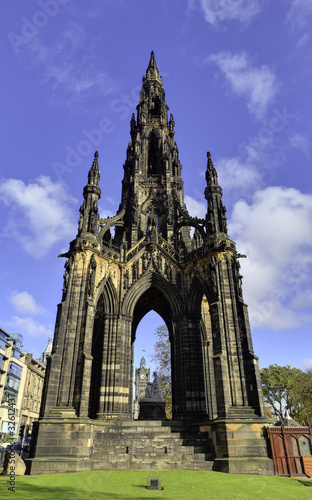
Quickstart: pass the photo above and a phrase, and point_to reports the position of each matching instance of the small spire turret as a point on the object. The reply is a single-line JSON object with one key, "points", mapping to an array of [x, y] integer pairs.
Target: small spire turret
{"points": [[216, 213], [89, 217], [94, 172]]}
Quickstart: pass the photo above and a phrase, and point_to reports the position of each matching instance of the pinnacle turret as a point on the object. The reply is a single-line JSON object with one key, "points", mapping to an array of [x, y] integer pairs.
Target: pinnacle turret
{"points": [[94, 172], [211, 173], [89, 218], [216, 214]]}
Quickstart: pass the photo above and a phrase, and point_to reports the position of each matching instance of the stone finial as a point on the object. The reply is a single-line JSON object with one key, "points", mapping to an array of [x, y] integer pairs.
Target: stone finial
{"points": [[211, 173], [94, 172]]}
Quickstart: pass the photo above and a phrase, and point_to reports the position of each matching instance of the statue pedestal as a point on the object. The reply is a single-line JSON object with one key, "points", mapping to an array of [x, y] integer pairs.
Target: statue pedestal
{"points": [[152, 410]]}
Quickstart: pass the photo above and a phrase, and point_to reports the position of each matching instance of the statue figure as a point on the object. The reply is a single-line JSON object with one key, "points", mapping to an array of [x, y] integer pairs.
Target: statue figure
{"points": [[94, 218], [168, 272], [80, 223], [66, 277], [126, 279], [135, 271], [91, 280], [153, 390], [144, 260], [223, 219]]}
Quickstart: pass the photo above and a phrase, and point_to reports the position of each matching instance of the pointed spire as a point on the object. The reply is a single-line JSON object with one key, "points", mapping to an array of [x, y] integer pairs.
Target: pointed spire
{"points": [[94, 172], [152, 69], [89, 217], [211, 173], [216, 214], [152, 64]]}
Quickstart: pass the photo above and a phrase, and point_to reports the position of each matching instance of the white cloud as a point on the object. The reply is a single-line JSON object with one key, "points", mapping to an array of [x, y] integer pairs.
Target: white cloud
{"points": [[303, 40], [234, 173], [70, 66], [245, 172], [306, 364], [275, 231], [217, 11], [25, 303], [28, 326], [299, 13], [196, 208], [298, 18], [301, 142], [257, 85], [39, 214]]}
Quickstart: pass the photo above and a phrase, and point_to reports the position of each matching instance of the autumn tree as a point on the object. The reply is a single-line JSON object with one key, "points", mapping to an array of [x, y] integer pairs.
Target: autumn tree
{"points": [[286, 388], [162, 359]]}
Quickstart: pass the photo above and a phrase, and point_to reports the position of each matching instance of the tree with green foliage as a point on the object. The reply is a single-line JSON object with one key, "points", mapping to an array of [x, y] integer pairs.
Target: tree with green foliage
{"points": [[302, 398], [287, 388], [162, 358]]}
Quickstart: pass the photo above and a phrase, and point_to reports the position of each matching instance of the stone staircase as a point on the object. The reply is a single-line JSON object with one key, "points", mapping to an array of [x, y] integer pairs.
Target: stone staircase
{"points": [[153, 445]]}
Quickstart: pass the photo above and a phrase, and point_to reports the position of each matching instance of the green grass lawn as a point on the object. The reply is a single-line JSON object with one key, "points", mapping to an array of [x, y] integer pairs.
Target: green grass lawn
{"points": [[178, 485]]}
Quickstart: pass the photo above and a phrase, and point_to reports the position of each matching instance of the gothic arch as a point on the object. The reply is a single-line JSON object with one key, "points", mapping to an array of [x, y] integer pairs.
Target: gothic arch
{"points": [[152, 201], [107, 291], [197, 290], [166, 298]]}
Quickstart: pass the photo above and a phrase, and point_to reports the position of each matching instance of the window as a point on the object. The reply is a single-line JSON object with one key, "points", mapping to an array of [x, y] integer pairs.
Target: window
{"points": [[5, 427], [16, 354], [12, 382], [15, 369]]}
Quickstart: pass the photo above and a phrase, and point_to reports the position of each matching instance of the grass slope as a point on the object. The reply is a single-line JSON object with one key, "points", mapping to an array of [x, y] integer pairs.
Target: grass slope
{"points": [[178, 485]]}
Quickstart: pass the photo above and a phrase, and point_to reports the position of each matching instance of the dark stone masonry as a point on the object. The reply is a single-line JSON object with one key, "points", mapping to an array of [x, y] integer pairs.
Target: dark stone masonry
{"points": [[187, 270]]}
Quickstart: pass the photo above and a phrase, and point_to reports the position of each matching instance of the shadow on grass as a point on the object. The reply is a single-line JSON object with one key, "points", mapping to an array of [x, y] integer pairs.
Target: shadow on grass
{"points": [[305, 482], [33, 492]]}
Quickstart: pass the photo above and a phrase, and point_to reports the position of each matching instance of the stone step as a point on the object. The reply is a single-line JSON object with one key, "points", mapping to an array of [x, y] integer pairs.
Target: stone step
{"points": [[152, 444], [148, 465]]}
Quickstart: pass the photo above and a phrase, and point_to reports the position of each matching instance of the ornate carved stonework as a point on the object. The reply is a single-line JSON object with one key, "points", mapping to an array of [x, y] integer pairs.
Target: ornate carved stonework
{"points": [[153, 255]]}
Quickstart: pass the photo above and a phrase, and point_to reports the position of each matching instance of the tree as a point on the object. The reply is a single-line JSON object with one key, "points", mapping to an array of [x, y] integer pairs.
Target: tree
{"points": [[162, 358], [286, 388], [302, 397]]}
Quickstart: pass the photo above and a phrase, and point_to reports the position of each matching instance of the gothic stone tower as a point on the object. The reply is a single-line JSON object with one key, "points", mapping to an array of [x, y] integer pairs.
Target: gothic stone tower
{"points": [[152, 255], [142, 377]]}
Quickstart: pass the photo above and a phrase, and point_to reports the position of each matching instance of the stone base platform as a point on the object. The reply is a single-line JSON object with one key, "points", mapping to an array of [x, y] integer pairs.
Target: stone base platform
{"points": [[152, 410], [71, 444]]}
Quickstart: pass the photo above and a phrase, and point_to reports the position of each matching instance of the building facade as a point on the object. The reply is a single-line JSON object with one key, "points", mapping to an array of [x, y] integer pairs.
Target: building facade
{"points": [[12, 383], [35, 371], [21, 385], [152, 255]]}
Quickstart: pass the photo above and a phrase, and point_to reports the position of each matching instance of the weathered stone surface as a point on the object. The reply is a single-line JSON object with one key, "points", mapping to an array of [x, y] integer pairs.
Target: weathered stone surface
{"points": [[13, 464]]}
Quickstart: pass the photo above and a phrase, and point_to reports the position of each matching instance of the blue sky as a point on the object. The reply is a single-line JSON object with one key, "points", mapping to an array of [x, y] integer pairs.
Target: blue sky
{"points": [[237, 76]]}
